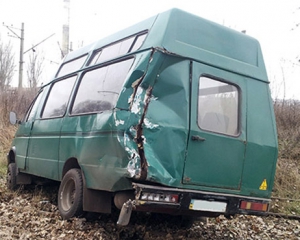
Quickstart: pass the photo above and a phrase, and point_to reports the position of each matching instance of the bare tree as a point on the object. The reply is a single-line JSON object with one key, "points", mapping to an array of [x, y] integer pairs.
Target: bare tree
{"points": [[7, 65], [34, 68]]}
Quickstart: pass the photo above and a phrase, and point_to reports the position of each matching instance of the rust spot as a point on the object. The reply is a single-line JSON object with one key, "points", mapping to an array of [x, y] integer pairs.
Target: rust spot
{"points": [[187, 179]]}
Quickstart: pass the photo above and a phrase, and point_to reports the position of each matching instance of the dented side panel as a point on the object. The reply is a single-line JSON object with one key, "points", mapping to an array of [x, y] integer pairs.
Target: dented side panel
{"points": [[93, 141], [165, 126], [138, 163], [103, 143]]}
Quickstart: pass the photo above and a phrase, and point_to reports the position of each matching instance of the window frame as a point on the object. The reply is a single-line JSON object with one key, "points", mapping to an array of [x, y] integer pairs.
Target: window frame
{"points": [[100, 50], [49, 92], [238, 107], [29, 110], [93, 68], [68, 62], [136, 39]]}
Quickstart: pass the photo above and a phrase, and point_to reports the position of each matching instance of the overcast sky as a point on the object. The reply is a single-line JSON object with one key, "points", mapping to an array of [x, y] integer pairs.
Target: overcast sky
{"points": [[272, 22]]}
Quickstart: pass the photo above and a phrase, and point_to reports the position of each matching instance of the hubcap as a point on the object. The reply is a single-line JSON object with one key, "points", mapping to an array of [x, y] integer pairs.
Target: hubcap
{"points": [[67, 195]]}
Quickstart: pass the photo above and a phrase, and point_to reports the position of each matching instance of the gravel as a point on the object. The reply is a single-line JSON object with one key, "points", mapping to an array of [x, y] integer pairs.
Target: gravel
{"points": [[31, 213]]}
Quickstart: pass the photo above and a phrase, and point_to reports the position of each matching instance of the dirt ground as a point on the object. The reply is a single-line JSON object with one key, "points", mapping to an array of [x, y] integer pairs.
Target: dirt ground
{"points": [[31, 213]]}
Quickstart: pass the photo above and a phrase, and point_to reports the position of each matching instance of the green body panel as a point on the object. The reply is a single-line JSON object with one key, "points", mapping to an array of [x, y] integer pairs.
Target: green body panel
{"points": [[148, 136], [43, 146], [261, 153], [21, 141]]}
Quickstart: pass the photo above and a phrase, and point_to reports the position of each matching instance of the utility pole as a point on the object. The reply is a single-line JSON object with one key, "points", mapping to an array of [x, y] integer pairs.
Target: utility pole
{"points": [[66, 28], [21, 58], [21, 51], [21, 62]]}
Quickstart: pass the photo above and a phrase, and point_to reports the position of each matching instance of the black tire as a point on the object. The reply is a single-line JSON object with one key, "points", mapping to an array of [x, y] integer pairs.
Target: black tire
{"points": [[11, 177], [70, 194]]}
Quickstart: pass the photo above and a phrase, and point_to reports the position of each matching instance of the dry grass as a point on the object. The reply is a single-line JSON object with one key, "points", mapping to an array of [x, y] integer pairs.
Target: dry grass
{"points": [[7, 133], [287, 180], [288, 127], [286, 190], [17, 101]]}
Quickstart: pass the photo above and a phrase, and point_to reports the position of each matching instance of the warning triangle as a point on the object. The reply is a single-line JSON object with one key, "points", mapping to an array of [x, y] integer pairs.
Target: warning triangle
{"points": [[263, 185]]}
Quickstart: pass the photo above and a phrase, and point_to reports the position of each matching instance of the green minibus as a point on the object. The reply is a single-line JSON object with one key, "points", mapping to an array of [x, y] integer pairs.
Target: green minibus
{"points": [[172, 115]]}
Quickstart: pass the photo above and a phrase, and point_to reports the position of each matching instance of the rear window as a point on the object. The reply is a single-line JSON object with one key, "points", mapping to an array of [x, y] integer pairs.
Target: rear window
{"points": [[218, 106]]}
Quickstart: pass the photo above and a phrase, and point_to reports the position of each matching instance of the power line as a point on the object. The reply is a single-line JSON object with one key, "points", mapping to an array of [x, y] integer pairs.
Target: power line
{"points": [[39, 43]]}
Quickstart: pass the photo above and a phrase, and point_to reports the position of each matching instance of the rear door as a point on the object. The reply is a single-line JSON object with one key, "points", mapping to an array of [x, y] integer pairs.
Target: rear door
{"points": [[216, 144]]}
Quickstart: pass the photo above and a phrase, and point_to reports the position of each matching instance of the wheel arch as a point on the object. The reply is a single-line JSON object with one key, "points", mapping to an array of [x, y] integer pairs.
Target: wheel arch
{"points": [[69, 164]]}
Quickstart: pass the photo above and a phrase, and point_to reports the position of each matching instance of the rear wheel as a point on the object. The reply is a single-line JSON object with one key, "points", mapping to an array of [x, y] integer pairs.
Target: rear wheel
{"points": [[11, 177], [70, 194]]}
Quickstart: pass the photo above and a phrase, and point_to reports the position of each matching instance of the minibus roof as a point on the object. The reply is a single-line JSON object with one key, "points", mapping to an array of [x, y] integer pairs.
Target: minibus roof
{"points": [[196, 38]]}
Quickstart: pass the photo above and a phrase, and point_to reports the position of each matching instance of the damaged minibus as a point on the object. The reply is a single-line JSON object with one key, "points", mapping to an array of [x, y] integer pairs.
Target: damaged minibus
{"points": [[172, 115]]}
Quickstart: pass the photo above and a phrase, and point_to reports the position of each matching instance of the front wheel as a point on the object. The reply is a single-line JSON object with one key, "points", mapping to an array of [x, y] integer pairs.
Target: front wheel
{"points": [[11, 177], [70, 194]]}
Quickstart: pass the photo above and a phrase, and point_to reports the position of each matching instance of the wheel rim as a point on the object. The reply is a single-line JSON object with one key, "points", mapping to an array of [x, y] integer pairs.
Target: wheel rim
{"points": [[67, 195]]}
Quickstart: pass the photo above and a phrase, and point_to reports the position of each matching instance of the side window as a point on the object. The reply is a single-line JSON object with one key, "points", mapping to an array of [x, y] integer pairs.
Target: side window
{"points": [[32, 110], [218, 106], [138, 42], [99, 89], [95, 58], [115, 50], [71, 66], [58, 97]]}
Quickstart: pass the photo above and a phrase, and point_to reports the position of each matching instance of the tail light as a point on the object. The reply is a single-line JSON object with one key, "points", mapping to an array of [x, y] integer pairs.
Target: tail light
{"points": [[254, 206], [158, 197]]}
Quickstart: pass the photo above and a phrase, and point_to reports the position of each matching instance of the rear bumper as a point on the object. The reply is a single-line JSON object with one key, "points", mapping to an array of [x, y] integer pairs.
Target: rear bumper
{"points": [[195, 203]]}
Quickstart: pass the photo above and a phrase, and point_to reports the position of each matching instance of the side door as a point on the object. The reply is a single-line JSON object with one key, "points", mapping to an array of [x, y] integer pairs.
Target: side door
{"points": [[43, 148], [217, 139], [24, 131]]}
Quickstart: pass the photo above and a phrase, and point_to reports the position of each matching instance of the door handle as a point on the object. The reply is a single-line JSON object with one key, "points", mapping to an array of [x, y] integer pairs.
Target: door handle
{"points": [[197, 138]]}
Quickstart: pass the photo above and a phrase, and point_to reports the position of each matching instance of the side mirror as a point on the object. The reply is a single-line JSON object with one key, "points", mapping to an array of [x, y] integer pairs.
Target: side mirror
{"points": [[13, 118]]}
